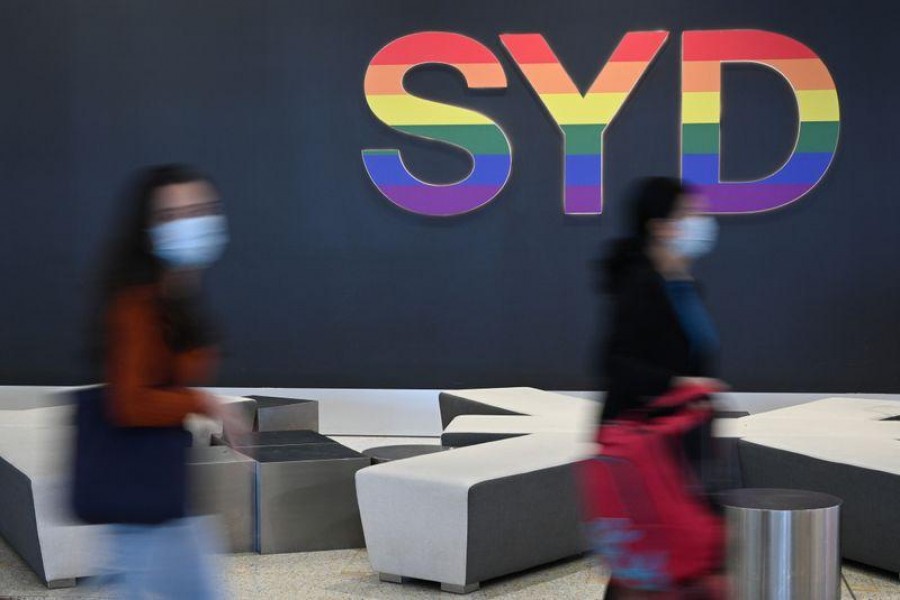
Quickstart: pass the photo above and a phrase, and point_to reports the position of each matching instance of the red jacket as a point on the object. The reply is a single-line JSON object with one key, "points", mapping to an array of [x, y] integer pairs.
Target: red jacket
{"points": [[147, 380]]}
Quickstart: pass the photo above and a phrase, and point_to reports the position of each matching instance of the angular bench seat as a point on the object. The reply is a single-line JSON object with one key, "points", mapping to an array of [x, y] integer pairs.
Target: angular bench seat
{"points": [[486, 509], [472, 514]]}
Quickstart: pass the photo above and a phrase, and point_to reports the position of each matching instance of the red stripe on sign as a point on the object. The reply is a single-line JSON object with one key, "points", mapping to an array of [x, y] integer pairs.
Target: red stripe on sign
{"points": [[741, 44], [639, 46], [434, 47], [528, 48]]}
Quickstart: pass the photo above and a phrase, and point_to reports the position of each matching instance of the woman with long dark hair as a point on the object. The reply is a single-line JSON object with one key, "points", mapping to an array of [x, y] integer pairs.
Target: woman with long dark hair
{"points": [[155, 340], [662, 335]]}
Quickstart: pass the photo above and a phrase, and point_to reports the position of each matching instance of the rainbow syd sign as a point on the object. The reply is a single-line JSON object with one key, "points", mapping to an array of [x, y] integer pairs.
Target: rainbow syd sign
{"points": [[583, 118]]}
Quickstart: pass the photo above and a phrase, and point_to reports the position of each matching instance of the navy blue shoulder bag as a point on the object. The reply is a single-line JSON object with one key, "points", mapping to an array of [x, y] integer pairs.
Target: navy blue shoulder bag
{"points": [[134, 475]]}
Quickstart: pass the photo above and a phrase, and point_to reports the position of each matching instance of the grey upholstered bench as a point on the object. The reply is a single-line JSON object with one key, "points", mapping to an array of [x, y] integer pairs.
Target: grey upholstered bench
{"points": [[870, 527], [485, 510], [846, 447]]}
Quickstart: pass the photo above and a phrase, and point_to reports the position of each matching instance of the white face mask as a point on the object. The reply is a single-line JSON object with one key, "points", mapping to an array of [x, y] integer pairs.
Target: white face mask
{"points": [[696, 237], [193, 243]]}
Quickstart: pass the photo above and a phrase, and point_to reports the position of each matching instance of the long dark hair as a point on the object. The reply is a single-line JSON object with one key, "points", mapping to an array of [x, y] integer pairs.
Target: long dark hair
{"points": [[130, 262], [651, 199]]}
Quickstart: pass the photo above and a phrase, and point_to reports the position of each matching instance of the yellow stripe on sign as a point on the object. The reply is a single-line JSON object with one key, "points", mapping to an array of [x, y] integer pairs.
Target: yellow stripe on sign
{"points": [[819, 105], [700, 107], [592, 109], [410, 110]]}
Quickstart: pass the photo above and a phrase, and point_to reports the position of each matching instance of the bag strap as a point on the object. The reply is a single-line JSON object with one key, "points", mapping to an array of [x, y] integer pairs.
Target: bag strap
{"points": [[681, 396], [669, 403]]}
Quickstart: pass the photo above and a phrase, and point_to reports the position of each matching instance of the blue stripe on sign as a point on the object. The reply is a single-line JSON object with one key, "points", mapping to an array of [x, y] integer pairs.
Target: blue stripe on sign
{"points": [[388, 170], [803, 167], [700, 169], [583, 169]]}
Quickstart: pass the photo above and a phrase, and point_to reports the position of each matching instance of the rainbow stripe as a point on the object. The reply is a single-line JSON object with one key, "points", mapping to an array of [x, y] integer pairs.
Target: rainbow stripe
{"points": [[703, 53], [464, 128], [583, 119]]}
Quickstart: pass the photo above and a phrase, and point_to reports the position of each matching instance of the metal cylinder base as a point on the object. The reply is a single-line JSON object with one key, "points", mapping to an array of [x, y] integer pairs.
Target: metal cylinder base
{"points": [[783, 545]]}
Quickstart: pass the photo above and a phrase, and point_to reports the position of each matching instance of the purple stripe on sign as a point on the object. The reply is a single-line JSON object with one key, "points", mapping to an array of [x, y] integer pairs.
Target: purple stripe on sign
{"points": [[583, 200], [735, 198], [440, 200]]}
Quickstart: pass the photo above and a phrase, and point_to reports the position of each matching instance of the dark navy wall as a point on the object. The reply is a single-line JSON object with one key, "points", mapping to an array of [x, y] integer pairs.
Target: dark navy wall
{"points": [[328, 284]]}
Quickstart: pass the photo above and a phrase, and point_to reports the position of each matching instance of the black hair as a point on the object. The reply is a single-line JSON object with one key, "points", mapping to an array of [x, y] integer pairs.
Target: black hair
{"points": [[130, 261], [651, 199]]}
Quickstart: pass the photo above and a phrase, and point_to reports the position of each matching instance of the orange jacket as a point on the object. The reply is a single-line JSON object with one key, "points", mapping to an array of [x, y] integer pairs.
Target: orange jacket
{"points": [[146, 378]]}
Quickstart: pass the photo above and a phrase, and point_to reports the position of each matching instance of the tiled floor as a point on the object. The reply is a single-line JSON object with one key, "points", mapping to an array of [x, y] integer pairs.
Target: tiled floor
{"points": [[346, 574]]}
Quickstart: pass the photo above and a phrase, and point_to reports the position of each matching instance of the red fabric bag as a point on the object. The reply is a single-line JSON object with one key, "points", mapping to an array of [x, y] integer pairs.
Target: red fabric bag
{"points": [[644, 515]]}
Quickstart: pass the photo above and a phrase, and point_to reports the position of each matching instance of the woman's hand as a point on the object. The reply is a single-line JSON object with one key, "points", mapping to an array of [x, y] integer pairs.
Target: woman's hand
{"points": [[233, 426], [715, 385]]}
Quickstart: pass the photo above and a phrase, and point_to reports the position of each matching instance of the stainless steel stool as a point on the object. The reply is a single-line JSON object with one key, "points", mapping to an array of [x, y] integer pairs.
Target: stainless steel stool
{"points": [[784, 544], [306, 497], [223, 483], [284, 414]]}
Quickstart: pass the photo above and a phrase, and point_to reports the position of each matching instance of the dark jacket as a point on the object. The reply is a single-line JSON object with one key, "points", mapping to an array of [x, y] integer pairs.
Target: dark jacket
{"points": [[648, 347]]}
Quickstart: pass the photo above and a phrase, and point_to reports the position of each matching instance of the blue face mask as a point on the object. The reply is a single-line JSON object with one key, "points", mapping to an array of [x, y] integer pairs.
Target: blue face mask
{"points": [[696, 237], [192, 243]]}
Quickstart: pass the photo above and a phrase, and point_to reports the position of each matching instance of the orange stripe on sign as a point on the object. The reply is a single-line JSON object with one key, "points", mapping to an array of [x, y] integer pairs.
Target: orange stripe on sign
{"points": [[618, 77], [701, 76], [388, 79], [549, 78], [805, 74]]}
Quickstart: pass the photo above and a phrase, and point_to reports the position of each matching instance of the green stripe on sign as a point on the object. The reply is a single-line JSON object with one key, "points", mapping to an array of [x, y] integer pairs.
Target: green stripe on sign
{"points": [[700, 138], [583, 139], [477, 139], [378, 152], [818, 136]]}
